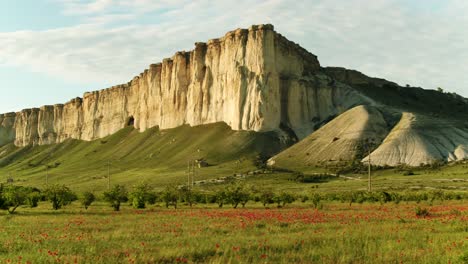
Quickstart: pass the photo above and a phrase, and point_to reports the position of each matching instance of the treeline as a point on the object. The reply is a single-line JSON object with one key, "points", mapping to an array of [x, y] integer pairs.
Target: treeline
{"points": [[235, 195]]}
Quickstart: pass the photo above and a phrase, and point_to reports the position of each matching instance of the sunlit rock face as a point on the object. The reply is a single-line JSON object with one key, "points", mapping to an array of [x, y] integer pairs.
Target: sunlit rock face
{"points": [[251, 79], [7, 131]]}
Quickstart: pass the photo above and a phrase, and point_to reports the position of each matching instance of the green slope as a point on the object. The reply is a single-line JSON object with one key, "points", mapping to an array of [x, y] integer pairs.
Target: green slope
{"points": [[158, 157]]}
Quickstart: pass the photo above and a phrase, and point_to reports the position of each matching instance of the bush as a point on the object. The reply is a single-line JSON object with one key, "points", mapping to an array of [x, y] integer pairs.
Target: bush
{"points": [[284, 198], [170, 196], [238, 194], [140, 195], [315, 198], [33, 198], [13, 197], [266, 197], [117, 195], [152, 198], [187, 195], [59, 196], [408, 173], [422, 212], [86, 199], [220, 198]]}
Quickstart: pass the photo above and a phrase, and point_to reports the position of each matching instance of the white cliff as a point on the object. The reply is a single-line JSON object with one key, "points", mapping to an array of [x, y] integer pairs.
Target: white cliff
{"points": [[251, 79]]}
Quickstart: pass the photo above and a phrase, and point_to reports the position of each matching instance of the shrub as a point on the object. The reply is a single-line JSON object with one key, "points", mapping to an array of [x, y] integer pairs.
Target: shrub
{"points": [[86, 199], [422, 212], [117, 195], [33, 198], [221, 198], [187, 195], [238, 194], [13, 197], [266, 197], [59, 196], [152, 198], [170, 196], [315, 198], [284, 198], [408, 173], [140, 195]]}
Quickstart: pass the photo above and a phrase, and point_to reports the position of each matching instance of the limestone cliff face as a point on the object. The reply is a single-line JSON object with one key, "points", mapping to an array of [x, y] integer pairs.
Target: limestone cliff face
{"points": [[7, 132], [251, 79]]}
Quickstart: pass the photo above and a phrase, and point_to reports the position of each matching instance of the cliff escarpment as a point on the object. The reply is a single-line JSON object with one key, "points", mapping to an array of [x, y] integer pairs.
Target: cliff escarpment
{"points": [[251, 79]]}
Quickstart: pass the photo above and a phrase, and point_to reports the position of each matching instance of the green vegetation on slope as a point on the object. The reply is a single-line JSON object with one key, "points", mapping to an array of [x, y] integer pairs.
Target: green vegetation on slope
{"points": [[158, 157]]}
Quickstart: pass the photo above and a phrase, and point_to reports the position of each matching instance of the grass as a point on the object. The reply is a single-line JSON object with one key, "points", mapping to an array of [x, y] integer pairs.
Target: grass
{"points": [[338, 233], [158, 157]]}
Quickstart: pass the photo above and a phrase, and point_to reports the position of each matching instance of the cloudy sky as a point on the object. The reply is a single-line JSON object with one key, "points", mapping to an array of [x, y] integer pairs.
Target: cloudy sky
{"points": [[54, 50]]}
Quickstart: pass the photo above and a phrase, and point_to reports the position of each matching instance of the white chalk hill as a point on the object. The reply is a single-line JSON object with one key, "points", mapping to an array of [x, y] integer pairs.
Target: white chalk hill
{"points": [[418, 139], [339, 140], [415, 139]]}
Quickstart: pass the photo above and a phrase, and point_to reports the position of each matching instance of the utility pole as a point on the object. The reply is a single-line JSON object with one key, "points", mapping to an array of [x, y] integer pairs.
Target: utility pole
{"points": [[9, 180], [188, 173], [369, 187], [47, 175], [369, 144], [194, 172], [108, 174]]}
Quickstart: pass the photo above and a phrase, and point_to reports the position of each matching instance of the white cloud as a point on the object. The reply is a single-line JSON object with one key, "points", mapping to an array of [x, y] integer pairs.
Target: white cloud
{"points": [[384, 38]]}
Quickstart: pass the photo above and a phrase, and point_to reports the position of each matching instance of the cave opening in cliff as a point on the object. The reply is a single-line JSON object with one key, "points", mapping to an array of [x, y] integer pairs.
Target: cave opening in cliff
{"points": [[131, 121]]}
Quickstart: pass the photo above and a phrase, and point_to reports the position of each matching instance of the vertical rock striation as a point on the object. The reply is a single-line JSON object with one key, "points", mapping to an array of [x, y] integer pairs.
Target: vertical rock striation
{"points": [[251, 79], [7, 131]]}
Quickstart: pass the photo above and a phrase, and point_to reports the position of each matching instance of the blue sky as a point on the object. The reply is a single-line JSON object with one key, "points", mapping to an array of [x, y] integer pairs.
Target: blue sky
{"points": [[55, 50]]}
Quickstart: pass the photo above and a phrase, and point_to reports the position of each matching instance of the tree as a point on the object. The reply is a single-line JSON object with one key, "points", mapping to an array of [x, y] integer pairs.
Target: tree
{"points": [[33, 198], [115, 196], [315, 198], [221, 198], [440, 90], [283, 198], [3, 205], [140, 196], [266, 197], [170, 196], [287, 198], [187, 195], [59, 196], [86, 199], [14, 196], [238, 194], [152, 198]]}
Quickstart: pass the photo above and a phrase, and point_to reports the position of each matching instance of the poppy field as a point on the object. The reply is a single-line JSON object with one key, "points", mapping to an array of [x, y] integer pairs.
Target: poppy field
{"points": [[298, 233]]}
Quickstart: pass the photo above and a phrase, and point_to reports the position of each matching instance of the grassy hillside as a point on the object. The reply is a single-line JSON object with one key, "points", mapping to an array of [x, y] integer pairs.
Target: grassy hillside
{"points": [[159, 157]]}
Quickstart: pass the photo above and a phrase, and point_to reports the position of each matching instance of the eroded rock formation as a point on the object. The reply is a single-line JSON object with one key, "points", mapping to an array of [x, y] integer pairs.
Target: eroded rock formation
{"points": [[251, 79], [255, 79]]}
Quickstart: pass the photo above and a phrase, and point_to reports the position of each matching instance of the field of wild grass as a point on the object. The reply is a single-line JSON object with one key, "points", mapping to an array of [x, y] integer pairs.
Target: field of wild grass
{"points": [[336, 233]]}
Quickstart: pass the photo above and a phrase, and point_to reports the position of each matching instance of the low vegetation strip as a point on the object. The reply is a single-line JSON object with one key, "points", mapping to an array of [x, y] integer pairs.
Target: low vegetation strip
{"points": [[337, 233], [234, 224]]}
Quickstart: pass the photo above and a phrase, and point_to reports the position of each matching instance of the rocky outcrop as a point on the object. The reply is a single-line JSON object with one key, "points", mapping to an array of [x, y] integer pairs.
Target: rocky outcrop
{"points": [[419, 139], [7, 131], [353, 77], [341, 139], [255, 79], [251, 79]]}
